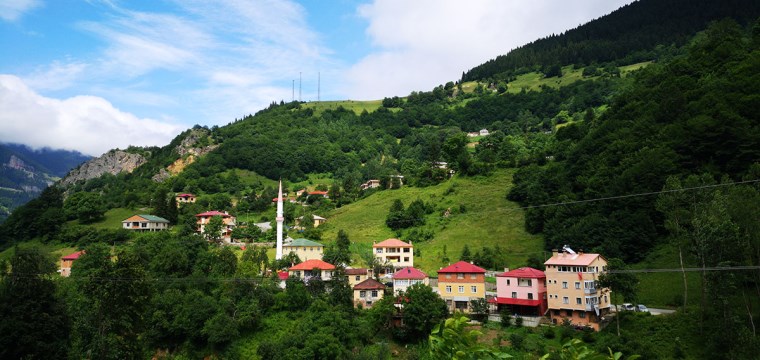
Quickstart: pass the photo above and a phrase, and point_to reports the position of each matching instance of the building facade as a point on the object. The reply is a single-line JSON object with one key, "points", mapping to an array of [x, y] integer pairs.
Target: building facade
{"points": [[145, 223], [406, 277], [184, 198], [571, 285], [312, 268], [522, 291], [368, 292], [305, 249], [395, 252], [227, 219], [355, 276], [460, 283], [67, 261]]}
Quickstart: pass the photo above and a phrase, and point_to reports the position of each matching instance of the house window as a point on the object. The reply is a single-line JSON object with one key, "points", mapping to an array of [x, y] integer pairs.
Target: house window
{"points": [[461, 289], [530, 296], [374, 293], [577, 284], [358, 277], [362, 294], [406, 259], [564, 284], [144, 225], [473, 276], [460, 276], [582, 314], [448, 289], [379, 251], [406, 250], [524, 282], [578, 301], [448, 276], [565, 300], [507, 281], [514, 294], [369, 303], [474, 289]]}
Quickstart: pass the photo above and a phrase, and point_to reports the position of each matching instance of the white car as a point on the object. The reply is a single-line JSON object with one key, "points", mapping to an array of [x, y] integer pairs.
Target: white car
{"points": [[642, 308], [627, 307]]}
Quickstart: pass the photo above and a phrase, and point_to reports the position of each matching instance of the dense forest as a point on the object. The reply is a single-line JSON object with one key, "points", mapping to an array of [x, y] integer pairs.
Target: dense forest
{"points": [[666, 156]]}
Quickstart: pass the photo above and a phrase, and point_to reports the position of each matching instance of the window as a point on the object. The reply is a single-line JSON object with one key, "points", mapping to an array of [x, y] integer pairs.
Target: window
{"points": [[582, 314], [577, 284], [461, 289], [514, 294], [565, 300], [507, 281], [524, 282], [564, 284], [374, 293], [368, 303], [406, 259], [474, 289], [406, 250], [530, 296], [556, 312], [144, 225], [358, 277], [448, 289], [578, 301], [448, 276], [460, 276], [362, 294], [473, 276], [379, 251]]}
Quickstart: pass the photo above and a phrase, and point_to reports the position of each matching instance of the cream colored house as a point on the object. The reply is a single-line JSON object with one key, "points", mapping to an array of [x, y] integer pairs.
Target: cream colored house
{"points": [[394, 251], [318, 220], [305, 249], [460, 283], [145, 223], [368, 292], [571, 285], [356, 276], [313, 268]]}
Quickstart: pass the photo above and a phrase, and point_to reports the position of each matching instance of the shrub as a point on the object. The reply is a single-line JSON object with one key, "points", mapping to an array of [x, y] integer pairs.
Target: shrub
{"points": [[506, 319], [518, 321], [517, 341], [549, 333]]}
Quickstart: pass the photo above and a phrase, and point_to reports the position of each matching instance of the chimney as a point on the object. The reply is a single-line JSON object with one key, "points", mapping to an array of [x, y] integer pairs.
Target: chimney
{"points": [[580, 252], [506, 269], [555, 252]]}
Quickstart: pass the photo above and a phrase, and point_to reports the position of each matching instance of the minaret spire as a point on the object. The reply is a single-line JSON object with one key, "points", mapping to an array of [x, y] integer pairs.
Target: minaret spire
{"points": [[280, 219]]}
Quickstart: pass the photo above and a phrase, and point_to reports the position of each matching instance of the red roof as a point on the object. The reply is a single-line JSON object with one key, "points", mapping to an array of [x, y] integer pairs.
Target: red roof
{"points": [[360, 271], [409, 273], [462, 267], [185, 195], [73, 256], [513, 301], [312, 264], [392, 243], [524, 272], [283, 275], [369, 284], [278, 199], [318, 193], [213, 213], [564, 258]]}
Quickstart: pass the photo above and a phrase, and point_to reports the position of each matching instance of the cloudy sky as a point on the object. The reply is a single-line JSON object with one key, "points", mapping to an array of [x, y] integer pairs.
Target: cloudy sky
{"points": [[91, 75]]}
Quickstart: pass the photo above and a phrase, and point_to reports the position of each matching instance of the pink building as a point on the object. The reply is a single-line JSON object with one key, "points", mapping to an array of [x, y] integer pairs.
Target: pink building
{"points": [[522, 291]]}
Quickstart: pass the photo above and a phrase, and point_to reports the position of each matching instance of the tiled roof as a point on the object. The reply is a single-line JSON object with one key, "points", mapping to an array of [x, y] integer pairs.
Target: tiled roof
{"points": [[409, 273], [564, 258], [392, 243], [360, 271], [153, 218], [524, 272], [318, 193], [304, 242], [283, 275], [213, 213], [312, 264], [369, 284], [73, 256], [185, 195], [462, 267]]}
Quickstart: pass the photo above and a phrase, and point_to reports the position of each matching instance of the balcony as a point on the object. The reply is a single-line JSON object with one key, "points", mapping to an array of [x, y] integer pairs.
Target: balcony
{"points": [[589, 291]]}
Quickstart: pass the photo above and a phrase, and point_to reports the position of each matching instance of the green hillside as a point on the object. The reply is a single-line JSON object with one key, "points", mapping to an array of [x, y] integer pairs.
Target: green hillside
{"points": [[489, 220]]}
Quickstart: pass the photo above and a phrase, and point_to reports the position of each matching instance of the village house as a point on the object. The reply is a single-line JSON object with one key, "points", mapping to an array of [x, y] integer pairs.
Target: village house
{"points": [[305, 249], [313, 268], [319, 193], [185, 198], [145, 223], [483, 132], [521, 291], [356, 276], [370, 184], [283, 276], [407, 277], [396, 181], [227, 219], [395, 252], [368, 292], [318, 220], [571, 284], [460, 283], [67, 261]]}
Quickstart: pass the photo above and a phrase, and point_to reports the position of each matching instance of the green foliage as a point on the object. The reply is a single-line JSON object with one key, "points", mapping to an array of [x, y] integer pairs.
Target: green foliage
{"points": [[452, 340], [86, 207]]}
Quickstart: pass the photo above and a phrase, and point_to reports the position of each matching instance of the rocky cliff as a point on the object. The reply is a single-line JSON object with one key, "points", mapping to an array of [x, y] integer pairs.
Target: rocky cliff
{"points": [[193, 146], [113, 162]]}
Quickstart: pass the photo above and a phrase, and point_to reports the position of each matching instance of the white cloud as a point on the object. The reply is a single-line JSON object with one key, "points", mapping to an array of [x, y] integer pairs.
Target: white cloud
{"points": [[55, 76], [12, 10], [420, 44], [88, 124]]}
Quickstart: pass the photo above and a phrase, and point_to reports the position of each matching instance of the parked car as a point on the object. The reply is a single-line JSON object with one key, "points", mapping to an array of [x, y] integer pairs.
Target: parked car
{"points": [[642, 308], [628, 307]]}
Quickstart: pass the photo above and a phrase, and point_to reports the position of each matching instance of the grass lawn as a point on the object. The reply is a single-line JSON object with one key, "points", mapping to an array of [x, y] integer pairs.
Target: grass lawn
{"points": [[489, 220], [354, 105], [113, 218], [665, 290], [56, 250]]}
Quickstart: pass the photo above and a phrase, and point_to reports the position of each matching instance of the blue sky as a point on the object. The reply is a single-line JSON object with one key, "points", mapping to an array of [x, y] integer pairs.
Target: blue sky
{"points": [[99, 74]]}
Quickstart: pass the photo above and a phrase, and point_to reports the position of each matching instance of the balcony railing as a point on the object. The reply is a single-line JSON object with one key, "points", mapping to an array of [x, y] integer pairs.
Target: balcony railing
{"points": [[589, 291]]}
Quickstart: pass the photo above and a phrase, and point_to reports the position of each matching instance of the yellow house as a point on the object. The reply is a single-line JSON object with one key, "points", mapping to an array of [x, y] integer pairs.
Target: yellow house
{"points": [[305, 249], [355, 276], [460, 283], [571, 285], [368, 292]]}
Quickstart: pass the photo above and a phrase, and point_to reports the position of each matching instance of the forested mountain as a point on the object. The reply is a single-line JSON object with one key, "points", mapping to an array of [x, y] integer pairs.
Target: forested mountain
{"points": [[668, 156], [637, 32], [25, 172]]}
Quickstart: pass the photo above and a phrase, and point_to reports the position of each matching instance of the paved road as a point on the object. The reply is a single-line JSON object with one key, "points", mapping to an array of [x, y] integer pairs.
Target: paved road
{"points": [[653, 311]]}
